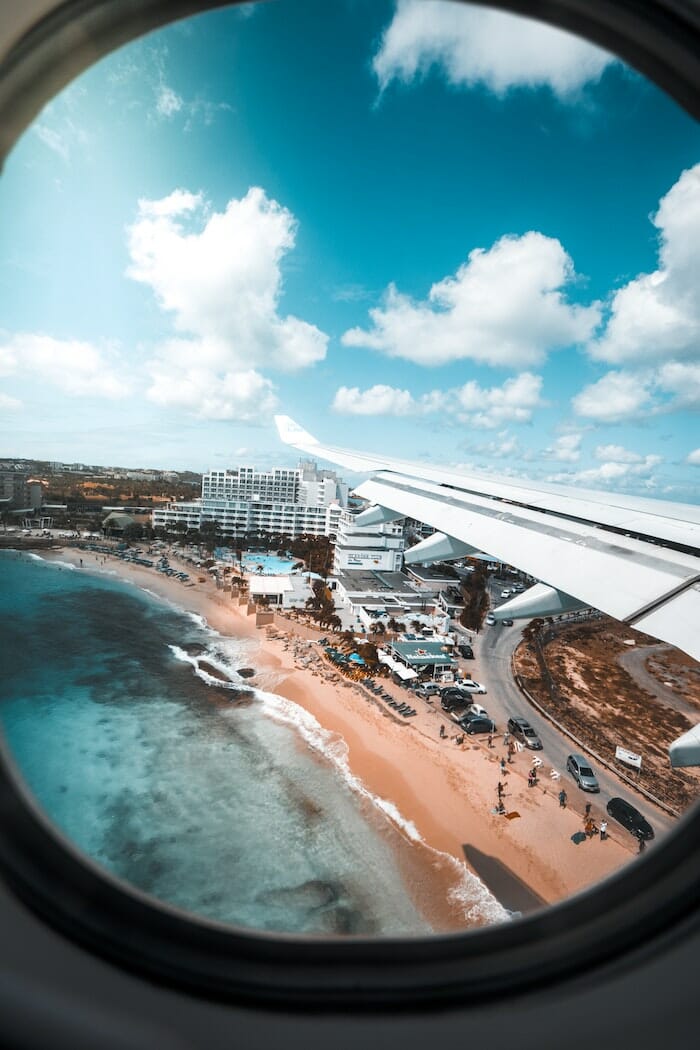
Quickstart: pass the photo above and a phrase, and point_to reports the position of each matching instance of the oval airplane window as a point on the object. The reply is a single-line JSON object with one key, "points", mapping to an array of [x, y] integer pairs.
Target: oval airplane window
{"points": [[422, 688]]}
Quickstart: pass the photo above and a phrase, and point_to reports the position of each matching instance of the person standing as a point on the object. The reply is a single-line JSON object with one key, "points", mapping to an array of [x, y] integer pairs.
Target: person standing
{"points": [[588, 811], [499, 788], [506, 738], [489, 740], [562, 799], [603, 830]]}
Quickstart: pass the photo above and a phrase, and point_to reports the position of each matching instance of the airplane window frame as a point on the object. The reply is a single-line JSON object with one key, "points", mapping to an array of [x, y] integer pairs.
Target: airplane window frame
{"points": [[652, 902]]}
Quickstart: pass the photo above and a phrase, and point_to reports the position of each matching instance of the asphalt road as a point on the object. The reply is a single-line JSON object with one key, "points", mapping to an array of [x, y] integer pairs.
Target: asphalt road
{"points": [[493, 648]]}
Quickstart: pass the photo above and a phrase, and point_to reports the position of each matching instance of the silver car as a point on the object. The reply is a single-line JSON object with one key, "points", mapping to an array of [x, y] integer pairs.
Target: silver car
{"points": [[582, 773]]}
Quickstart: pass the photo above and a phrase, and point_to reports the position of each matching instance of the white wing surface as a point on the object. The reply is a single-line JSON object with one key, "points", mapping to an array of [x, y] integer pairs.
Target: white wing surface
{"points": [[636, 559]]}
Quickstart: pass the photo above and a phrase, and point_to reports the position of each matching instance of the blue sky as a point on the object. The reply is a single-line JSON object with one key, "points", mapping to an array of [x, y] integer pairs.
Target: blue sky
{"points": [[428, 228]]}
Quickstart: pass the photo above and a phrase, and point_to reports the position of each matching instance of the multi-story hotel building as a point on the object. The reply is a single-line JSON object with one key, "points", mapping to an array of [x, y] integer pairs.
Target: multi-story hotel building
{"points": [[282, 500], [378, 547]]}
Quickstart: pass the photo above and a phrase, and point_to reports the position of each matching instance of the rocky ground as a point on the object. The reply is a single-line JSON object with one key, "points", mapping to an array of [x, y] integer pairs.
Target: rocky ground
{"points": [[610, 692]]}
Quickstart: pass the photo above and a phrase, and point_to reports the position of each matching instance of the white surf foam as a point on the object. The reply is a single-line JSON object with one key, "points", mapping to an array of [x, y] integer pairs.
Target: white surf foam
{"points": [[470, 894]]}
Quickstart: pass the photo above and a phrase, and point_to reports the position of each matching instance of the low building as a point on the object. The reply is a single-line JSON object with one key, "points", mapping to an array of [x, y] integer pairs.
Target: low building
{"points": [[284, 592], [432, 578], [372, 597], [427, 658]]}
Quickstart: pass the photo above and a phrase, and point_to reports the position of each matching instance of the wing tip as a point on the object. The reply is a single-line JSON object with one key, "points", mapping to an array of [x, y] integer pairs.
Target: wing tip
{"points": [[291, 433]]}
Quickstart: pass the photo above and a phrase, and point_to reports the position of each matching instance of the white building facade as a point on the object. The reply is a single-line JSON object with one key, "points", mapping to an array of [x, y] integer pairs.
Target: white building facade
{"points": [[378, 547], [284, 501]]}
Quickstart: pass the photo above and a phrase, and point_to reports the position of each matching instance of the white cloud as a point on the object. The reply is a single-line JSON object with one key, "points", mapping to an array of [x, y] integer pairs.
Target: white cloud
{"points": [[53, 139], [566, 448], [78, 369], [378, 400], [505, 446], [9, 404], [168, 102], [513, 402], [246, 396], [617, 396], [615, 471], [218, 274], [694, 458], [617, 454], [673, 387], [682, 380], [475, 46], [656, 316], [504, 306]]}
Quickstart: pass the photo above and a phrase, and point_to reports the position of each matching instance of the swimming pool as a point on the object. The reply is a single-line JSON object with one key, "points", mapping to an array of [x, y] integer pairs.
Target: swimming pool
{"points": [[272, 564]]}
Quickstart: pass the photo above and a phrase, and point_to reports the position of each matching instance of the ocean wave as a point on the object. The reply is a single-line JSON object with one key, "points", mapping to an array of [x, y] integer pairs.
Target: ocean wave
{"points": [[470, 894], [60, 564], [208, 679]]}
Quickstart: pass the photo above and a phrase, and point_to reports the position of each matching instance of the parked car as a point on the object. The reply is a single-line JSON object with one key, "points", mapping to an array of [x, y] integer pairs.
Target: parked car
{"points": [[426, 689], [521, 729], [452, 698], [490, 619], [466, 651], [468, 685], [507, 623], [625, 813], [477, 709], [582, 773], [472, 724], [505, 593]]}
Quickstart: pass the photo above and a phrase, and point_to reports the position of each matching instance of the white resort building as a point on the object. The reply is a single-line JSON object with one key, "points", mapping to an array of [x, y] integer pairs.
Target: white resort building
{"points": [[378, 547], [283, 500]]}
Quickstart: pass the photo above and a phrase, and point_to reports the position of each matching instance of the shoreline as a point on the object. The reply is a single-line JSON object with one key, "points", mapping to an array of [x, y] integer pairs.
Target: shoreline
{"points": [[445, 794]]}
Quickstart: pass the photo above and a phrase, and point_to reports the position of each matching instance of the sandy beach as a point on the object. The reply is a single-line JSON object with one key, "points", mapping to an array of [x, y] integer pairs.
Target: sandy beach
{"points": [[446, 794]]}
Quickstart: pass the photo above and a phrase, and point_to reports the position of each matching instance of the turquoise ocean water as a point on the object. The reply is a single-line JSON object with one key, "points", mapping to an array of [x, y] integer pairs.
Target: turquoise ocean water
{"points": [[239, 811]]}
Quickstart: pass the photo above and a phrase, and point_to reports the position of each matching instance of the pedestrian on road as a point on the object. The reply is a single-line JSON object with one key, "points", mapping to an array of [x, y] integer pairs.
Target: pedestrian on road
{"points": [[500, 790], [506, 738], [442, 732], [603, 830], [562, 799]]}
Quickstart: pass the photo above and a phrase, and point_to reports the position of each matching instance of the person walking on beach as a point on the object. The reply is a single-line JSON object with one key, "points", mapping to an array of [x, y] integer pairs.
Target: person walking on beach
{"points": [[587, 812], [562, 799], [442, 732], [504, 771], [489, 740], [500, 790], [603, 830], [506, 738], [511, 750]]}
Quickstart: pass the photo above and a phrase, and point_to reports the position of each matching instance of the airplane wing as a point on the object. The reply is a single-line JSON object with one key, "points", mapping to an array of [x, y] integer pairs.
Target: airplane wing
{"points": [[636, 559]]}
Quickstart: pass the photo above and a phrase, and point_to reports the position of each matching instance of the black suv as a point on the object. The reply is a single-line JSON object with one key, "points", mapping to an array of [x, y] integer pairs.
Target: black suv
{"points": [[453, 698], [477, 724], [521, 729], [630, 818], [466, 651]]}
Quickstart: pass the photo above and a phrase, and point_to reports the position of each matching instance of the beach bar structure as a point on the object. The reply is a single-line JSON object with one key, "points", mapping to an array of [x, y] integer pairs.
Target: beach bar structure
{"points": [[285, 592], [421, 656]]}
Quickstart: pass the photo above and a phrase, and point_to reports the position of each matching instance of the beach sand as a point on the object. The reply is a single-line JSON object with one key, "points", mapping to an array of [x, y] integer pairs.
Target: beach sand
{"points": [[528, 857]]}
